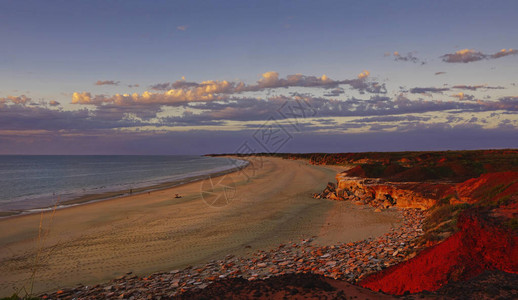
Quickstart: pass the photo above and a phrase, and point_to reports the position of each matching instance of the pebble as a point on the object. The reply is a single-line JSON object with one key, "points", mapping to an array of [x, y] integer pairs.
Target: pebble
{"points": [[347, 261]]}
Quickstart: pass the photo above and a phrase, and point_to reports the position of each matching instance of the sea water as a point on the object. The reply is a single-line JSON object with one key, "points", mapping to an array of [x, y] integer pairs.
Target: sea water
{"points": [[31, 182]]}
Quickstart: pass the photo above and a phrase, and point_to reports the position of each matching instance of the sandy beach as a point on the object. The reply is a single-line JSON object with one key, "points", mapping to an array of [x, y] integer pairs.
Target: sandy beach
{"points": [[238, 213]]}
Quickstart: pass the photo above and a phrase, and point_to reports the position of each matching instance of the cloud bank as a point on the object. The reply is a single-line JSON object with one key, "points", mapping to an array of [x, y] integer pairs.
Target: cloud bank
{"points": [[469, 55], [181, 91]]}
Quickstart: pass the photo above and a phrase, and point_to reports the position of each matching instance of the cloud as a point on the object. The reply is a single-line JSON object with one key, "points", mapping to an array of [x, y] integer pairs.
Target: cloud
{"points": [[182, 84], [463, 56], [326, 121], [363, 74], [503, 53], [469, 55], [271, 79], [56, 119], [509, 103], [462, 96], [409, 57], [494, 87], [107, 82], [413, 138], [18, 117], [22, 99], [391, 119], [161, 86], [473, 120], [248, 109], [81, 98], [476, 87], [377, 113], [213, 102], [181, 91], [268, 80], [440, 73], [468, 87], [252, 109], [216, 103], [421, 90], [133, 85], [171, 97], [335, 92], [182, 27]]}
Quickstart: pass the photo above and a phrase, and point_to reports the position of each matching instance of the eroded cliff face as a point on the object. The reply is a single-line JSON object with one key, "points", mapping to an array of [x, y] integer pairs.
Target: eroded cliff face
{"points": [[472, 220], [477, 246], [490, 187], [482, 241], [382, 194]]}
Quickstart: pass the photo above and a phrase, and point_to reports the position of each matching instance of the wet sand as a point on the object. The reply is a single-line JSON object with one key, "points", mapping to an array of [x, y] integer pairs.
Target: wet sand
{"points": [[118, 193], [257, 208]]}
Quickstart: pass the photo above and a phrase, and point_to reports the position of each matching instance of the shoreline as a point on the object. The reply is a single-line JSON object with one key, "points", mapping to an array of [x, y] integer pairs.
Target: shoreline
{"points": [[109, 195]]}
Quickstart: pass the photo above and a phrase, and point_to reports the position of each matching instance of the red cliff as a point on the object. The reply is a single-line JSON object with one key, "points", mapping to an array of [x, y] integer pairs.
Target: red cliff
{"points": [[476, 247]]}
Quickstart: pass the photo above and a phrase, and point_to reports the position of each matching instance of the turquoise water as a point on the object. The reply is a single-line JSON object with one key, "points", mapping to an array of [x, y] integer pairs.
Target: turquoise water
{"points": [[29, 182]]}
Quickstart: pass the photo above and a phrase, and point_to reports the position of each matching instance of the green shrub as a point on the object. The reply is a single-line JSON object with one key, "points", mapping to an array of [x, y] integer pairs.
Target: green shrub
{"points": [[439, 214], [445, 200], [443, 219]]}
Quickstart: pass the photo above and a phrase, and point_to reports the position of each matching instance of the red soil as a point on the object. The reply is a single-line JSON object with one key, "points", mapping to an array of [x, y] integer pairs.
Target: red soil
{"points": [[508, 211], [489, 187], [357, 171], [431, 190], [477, 247]]}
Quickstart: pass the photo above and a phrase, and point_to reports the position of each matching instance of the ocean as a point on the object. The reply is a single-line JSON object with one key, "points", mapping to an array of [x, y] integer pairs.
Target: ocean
{"points": [[32, 182]]}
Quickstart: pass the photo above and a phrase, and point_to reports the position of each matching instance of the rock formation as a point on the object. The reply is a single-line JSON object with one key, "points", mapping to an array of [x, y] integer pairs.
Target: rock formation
{"points": [[486, 237], [382, 194]]}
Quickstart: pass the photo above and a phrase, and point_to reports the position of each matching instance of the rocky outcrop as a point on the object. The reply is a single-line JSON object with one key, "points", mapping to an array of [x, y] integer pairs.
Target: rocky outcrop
{"points": [[382, 194], [481, 235], [328, 193], [491, 188]]}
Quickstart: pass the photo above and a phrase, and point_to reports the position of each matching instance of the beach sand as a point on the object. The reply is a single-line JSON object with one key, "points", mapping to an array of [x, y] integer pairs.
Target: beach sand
{"points": [[260, 207]]}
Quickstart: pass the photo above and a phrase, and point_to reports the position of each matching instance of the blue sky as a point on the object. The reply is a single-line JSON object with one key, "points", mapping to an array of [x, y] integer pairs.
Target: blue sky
{"points": [[170, 77]]}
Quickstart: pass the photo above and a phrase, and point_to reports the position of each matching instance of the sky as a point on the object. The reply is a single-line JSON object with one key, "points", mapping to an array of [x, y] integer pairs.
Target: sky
{"points": [[197, 77]]}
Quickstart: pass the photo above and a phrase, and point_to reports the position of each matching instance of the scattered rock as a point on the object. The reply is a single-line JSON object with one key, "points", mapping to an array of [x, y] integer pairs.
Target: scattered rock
{"points": [[347, 261]]}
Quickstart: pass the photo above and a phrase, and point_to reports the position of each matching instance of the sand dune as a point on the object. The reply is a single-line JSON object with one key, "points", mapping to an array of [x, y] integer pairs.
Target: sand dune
{"points": [[255, 209]]}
